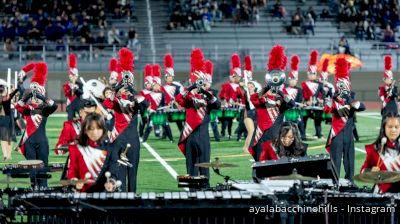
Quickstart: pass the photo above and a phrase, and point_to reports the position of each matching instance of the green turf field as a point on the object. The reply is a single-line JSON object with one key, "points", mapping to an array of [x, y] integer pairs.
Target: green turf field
{"points": [[154, 177]]}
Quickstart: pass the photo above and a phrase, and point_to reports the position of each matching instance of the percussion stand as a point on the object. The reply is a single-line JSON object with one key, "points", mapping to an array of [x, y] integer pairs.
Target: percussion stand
{"points": [[80, 204], [226, 178]]}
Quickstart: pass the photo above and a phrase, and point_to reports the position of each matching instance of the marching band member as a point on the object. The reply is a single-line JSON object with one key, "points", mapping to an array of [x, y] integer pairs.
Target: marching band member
{"points": [[72, 128], [208, 70], [88, 157], [271, 104], [157, 100], [7, 126], [125, 107], [313, 91], [230, 94], [340, 143], [250, 88], [384, 153], [288, 144], [73, 89], [194, 142], [148, 85], [35, 108], [328, 88], [388, 91], [295, 93], [171, 88]]}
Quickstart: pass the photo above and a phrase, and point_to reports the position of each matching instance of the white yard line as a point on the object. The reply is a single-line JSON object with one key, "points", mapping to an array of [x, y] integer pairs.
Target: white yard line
{"points": [[153, 152], [360, 150]]}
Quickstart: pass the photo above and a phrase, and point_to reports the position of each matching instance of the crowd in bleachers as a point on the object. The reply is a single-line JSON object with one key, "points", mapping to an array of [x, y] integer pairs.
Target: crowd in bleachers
{"points": [[202, 15], [31, 23], [371, 19]]}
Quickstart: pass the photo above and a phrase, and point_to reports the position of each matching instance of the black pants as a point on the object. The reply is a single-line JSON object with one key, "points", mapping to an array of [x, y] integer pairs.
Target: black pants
{"points": [[73, 108], [214, 127], [317, 123], [35, 150], [149, 128], [241, 127], [226, 123], [122, 172], [142, 125], [342, 146], [198, 151]]}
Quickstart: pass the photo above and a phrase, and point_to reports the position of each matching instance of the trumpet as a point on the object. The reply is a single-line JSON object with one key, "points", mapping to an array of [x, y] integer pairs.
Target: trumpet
{"points": [[275, 79], [123, 158]]}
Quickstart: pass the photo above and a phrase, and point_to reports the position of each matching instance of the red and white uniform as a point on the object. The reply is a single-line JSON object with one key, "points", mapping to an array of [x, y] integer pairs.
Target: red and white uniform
{"points": [[68, 134], [156, 99], [230, 92], [122, 120], [68, 87], [389, 161], [86, 159]]}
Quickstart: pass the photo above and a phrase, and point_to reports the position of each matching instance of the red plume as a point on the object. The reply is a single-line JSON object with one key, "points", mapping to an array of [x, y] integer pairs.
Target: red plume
{"points": [[29, 67], [247, 63], [235, 61], [156, 70], [148, 70], [196, 60], [40, 73], [313, 57], [72, 61], [126, 59], [277, 58], [325, 65], [342, 68], [294, 62], [168, 61], [388, 62], [208, 67], [112, 66]]}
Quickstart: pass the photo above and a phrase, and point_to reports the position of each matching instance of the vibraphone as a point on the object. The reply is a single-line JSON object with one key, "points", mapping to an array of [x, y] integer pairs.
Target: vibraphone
{"points": [[203, 207]]}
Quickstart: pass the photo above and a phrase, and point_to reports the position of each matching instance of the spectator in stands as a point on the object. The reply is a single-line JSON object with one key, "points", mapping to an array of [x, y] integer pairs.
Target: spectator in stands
{"points": [[226, 9], [343, 46], [360, 31], [133, 41], [216, 13], [370, 31], [206, 17], [8, 48], [279, 10], [296, 24], [325, 14], [388, 34], [113, 36], [309, 24], [312, 12]]}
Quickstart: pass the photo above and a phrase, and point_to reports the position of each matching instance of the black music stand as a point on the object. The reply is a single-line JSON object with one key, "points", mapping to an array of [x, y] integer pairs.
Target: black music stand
{"points": [[311, 166]]}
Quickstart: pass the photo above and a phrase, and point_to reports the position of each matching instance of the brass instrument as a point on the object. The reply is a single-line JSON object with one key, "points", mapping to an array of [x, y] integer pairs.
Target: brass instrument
{"points": [[123, 159], [275, 79]]}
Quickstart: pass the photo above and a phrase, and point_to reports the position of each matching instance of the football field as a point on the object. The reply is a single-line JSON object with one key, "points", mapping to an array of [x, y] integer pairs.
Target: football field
{"points": [[161, 160]]}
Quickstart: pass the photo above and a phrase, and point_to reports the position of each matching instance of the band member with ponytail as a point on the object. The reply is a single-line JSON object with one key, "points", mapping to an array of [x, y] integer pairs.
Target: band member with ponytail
{"points": [[198, 101], [156, 99], [250, 87], [288, 144], [343, 106], [230, 94], [87, 158], [313, 92], [125, 106], [35, 108], [296, 94], [7, 124], [271, 103], [384, 153], [73, 89], [388, 91]]}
